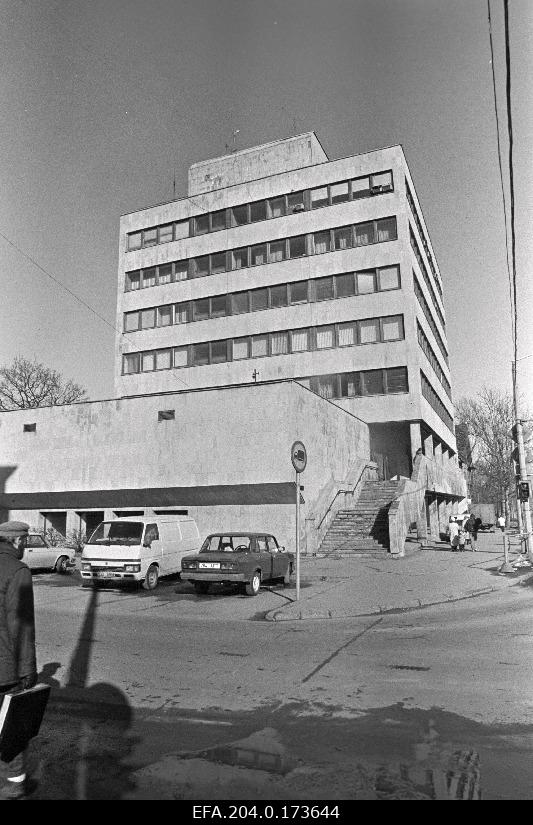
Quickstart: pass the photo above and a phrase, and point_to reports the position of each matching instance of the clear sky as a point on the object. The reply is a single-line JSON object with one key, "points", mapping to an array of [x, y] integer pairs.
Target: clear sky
{"points": [[102, 100]]}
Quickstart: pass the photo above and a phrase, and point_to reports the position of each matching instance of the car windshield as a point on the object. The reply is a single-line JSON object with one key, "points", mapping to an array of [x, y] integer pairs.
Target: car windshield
{"points": [[117, 532], [226, 544]]}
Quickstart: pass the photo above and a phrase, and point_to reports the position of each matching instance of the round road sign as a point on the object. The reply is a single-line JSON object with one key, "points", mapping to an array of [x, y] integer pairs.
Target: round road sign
{"points": [[298, 456]]}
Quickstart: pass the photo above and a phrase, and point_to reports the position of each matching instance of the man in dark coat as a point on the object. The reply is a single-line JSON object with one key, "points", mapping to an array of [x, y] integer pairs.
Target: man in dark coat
{"points": [[18, 667], [471, 527]]}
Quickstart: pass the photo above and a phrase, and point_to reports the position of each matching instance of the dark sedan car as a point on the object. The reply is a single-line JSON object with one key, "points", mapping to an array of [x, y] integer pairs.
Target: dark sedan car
{"points": [[245, 559]]}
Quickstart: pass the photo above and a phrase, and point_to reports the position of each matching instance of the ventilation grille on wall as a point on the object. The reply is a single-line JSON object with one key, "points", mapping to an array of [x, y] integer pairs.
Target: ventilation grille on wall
{"points": [[166, 415]]}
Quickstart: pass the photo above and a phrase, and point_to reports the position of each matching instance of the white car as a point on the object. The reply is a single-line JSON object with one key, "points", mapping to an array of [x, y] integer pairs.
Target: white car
{"points": [[39, 555]]}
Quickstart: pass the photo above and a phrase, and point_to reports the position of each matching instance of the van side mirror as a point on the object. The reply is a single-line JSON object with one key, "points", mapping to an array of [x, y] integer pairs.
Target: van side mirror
{"points": [[147, 543], [282, 548]]}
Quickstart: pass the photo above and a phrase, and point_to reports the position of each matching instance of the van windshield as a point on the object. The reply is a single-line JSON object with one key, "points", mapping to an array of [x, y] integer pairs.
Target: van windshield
{"points": [[117, 532]]}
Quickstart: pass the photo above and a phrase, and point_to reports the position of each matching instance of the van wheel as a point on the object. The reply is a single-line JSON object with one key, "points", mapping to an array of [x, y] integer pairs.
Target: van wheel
{"points": [[201, 588], [252, 587], [152, 578]]}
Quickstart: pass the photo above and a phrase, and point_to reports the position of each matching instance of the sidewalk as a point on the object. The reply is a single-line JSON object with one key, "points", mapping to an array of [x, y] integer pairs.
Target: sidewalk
{"points": [[335, 588]]}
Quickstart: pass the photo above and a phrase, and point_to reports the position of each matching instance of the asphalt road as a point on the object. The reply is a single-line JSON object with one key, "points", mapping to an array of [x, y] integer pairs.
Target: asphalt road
{"points": [[345, 707]]}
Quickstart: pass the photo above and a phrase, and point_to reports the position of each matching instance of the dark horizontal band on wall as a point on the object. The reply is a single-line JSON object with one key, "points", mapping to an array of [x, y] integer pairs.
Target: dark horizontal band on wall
{"points": [[282, 492]]}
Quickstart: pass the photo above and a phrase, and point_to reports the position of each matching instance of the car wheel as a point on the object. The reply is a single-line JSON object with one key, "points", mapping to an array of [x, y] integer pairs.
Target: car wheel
{"points": [[201, 588], [252, 587], [152, 578], [61, 564], [287, 578]]}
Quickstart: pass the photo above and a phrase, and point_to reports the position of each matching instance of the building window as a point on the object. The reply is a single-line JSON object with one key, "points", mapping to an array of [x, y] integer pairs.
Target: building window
{"points": [[259, 254], [166, 233], [218, 262], [149, 277], [276, 251], [240, 348], [258, 211], [239, 215], [218, 306], [259, 299], [345, 285], [324, 288], [361, 188], [200, 309], [150, 237], [164, 274], [147, 318], [239, 303], [373, 382], [181, 230], [131, 321], [218, 220], [201, 224], [259, 346], [326, 385], [276, 207], [147, 361], [278, 296], [366, 282], [386, 230], [325, 337], [339, 192], [369, 331], [239, 258], [298, 292], [181, 313], [350, 384], [219, 352], [299, 340], [364, 234], [389, 277], [343, 237], [319, 197], [347, 334], [321, 242], [163, 359], [381, 182], [131, 363], [201, 266], [295, 202], [297, 246], [134, 241], [279, 343], [133, 281], [396, 379], [392, 328], [200, 354], [164, 316], [181, 270], [181, 356]]}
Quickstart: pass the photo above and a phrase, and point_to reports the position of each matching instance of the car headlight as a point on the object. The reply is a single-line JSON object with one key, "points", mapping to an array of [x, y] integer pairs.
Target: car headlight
{"points": [[86, 567], [188, 565], [132, 568]]}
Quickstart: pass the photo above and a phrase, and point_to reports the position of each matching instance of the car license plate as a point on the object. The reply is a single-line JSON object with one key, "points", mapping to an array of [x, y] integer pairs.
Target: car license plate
{"points": [[106, 574], [209, 565]]}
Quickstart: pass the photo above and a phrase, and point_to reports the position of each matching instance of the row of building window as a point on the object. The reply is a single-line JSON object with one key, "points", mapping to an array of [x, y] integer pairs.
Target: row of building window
{"points": [[427, 280], [434, 401], [284, 342], [420, 228], [328, 240], [432, 358], [429, 317], [330, 287], [262, 210], [356, 384]]}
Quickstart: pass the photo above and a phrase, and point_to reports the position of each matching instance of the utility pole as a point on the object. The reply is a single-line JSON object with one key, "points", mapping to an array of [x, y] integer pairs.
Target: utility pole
{"points": [[526, 524]]}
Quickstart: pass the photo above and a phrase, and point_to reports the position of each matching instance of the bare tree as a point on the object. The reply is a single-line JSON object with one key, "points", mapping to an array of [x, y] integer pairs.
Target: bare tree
{"points": [[488, 419], [26, 384]]}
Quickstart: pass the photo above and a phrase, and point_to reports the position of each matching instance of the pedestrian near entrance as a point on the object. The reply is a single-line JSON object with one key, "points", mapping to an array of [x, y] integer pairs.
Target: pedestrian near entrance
{"points": [[18, 669], [462, 538], [454, 534], [471, 528], [501, 523]]}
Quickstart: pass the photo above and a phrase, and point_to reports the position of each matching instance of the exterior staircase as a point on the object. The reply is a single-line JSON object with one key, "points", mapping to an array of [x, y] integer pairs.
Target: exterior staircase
{"points": [[364, 529]]}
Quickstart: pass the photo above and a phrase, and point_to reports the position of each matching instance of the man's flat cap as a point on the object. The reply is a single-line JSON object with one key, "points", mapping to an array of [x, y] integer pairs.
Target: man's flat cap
{"points": [[13, 529]]}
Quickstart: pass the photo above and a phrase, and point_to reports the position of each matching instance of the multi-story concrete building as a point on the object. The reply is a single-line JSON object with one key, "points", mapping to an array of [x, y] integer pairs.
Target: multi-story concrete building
{"points": [[283, 264]]}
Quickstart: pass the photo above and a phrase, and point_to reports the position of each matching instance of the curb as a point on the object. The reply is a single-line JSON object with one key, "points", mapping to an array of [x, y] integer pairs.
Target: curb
{"points": [[279, 614]]}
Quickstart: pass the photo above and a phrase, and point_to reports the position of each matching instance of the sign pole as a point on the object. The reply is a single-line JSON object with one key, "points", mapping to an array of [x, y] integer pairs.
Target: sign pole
{"points": [[297, 536]]}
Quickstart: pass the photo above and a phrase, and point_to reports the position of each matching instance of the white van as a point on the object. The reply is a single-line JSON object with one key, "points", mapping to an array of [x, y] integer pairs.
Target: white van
{"points": [[138, 548]]}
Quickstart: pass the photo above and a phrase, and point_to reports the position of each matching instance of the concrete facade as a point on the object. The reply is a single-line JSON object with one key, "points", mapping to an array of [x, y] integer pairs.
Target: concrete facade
{"points": [[224, 458], [264, 177]]}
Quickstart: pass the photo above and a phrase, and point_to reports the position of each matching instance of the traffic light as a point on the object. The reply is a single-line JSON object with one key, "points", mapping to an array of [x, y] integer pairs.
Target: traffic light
{"points": [[523, 490]]}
